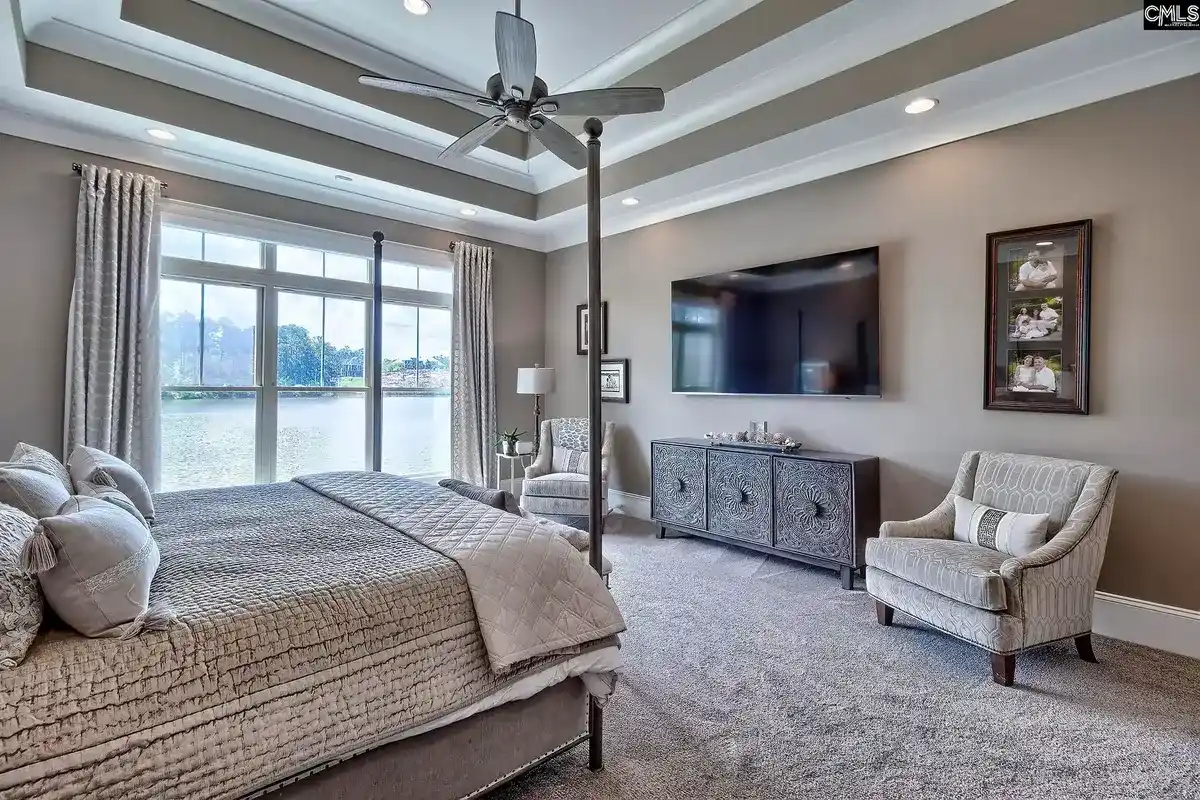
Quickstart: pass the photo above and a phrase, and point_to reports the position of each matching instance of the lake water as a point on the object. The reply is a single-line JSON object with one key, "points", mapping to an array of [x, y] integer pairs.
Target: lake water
{"points": [[211, 442]]}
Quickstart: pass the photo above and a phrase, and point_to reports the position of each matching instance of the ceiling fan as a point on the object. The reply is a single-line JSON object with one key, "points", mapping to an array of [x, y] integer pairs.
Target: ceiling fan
{"points": [[523, 100]]}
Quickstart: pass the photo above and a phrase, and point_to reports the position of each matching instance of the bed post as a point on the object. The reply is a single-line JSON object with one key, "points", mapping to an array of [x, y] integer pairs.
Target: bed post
{"points": [[593, 127], [377, 358]]}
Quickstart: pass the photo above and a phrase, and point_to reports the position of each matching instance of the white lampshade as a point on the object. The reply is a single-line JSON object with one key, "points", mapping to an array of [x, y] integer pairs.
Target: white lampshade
{"points": [[535, 380]]}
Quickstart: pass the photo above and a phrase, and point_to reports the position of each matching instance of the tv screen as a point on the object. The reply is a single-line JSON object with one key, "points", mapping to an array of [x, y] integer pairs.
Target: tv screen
{"points": [[808, 327]]}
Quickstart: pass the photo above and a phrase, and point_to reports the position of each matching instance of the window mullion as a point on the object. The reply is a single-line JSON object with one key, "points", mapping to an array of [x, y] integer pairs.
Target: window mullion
{"points": [[268, 412]]}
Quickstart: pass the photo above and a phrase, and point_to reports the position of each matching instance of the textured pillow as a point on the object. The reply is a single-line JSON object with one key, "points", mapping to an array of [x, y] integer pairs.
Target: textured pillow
{"points": [[29, 489], [95, 563], [567, 460], [20, 599], [1006, 531], [480, 494], [36, 458], [85, 462], [110, 494]]}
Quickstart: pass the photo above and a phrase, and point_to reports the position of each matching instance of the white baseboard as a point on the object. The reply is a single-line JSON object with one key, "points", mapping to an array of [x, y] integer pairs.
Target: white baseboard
{"points": [[633, 505], [1176, 630]]}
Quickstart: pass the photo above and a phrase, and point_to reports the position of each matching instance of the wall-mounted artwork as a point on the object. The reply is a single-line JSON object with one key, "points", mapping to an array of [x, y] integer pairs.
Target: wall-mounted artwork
{"points": [[614, 380], [581, 329], [1038, 316]]}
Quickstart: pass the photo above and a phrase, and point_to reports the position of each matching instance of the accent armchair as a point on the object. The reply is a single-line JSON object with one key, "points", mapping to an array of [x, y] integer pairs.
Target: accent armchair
{"points": [[1002, 603], [556, 483]]}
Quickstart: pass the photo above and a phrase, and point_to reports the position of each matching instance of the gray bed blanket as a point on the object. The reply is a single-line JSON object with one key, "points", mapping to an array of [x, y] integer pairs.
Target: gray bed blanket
{"points": [[307, 632], [534, 593]]}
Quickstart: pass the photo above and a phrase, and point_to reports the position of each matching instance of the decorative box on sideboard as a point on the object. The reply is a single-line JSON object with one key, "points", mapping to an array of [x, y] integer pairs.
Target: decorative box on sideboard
{"points": [[806, 505]]}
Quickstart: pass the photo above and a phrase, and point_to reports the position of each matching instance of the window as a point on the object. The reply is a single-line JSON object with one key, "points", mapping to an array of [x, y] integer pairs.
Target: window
{"points": [[265, 353]]}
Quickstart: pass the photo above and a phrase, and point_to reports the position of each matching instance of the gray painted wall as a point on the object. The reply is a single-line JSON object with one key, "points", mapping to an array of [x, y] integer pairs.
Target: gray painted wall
{"points": [[1123, 163], [38, 197]]}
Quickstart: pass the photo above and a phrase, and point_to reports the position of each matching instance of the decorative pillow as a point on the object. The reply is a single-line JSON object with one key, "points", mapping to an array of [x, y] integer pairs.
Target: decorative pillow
{"points": [[480, 494], [567, 460], [95, 563], [1006, 531], [31, 490], [20, 599], [35, 457], [110, 494], [85, 462]]}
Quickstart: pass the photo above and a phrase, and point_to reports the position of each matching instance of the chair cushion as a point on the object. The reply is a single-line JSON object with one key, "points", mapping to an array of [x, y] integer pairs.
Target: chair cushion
{"points": [[1007, 531], [571, 485], [964, 572]]}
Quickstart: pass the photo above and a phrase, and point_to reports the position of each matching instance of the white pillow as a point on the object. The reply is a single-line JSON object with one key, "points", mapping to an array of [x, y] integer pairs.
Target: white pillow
{"points": [[1006, 531], [85, 462]]}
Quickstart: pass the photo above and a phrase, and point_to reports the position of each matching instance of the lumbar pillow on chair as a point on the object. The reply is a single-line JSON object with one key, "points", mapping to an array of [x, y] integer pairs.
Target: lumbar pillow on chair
{"points": [[1005, 531], [565, 459]]}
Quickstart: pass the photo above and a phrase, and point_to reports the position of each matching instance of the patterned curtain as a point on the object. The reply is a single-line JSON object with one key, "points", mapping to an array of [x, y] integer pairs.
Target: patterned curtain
{"points": [[112, 397], [472, 367]]}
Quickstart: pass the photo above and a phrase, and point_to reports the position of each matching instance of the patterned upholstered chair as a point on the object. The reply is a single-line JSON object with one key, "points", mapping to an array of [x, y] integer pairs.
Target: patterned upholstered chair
{"points": [[1002, 603], [556, 483]]}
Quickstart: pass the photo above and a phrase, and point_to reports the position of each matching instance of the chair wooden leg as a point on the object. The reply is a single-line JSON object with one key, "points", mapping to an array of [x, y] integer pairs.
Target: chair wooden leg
{"points": [[1084, 645], [884, 613], [1003, 668]]}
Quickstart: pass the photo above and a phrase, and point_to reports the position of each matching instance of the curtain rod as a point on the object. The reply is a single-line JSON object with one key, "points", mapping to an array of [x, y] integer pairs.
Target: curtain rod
{"points": [[77, 168]]}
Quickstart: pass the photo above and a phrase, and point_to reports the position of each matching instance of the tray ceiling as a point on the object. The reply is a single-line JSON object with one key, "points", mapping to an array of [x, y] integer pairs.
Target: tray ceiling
{"points": [[761, 94]]}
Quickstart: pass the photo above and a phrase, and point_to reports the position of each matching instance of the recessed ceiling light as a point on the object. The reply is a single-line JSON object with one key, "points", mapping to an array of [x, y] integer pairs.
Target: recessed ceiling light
{"points": [[418, 7], [345, 178], [630, 201], [921, 105], [468, 212], [159, 133], [1045, 244]]}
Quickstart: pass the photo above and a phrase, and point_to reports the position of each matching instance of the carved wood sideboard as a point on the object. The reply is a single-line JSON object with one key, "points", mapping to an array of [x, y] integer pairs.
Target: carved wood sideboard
{"points": [[806, 505]]}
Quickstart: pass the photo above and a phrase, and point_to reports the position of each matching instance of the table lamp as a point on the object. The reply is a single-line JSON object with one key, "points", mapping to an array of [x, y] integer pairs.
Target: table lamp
{"points": [[536, 381]]}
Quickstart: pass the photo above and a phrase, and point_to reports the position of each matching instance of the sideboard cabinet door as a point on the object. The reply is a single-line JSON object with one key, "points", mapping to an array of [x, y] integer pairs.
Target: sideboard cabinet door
{"points": [[678, 476], [813, 512], [739, 495]]}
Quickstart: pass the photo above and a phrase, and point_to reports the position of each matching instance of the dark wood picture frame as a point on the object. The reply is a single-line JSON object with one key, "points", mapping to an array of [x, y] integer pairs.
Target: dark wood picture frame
{"points": [[1010, 383], [623, 363], [581, 328]]}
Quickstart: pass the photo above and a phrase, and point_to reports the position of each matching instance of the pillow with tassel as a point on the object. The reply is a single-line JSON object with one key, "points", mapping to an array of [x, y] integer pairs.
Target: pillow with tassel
{"points": [[20, 599], [94, 562]]}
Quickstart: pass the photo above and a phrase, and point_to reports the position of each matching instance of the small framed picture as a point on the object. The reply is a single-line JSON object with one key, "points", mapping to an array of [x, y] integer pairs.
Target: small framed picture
{"points": [[1038, 318], [581, 328], [614, 380]]}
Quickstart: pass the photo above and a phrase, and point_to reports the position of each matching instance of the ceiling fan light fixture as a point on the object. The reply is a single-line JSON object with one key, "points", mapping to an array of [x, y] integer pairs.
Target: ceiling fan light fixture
{"points": [[468, 212], [159, 133], [630, 201], [921, 105], [418, 7]]}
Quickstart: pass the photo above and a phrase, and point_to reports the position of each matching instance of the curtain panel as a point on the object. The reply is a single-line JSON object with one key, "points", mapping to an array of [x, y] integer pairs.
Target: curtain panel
{"points": [[113, 401], [472, 367]]}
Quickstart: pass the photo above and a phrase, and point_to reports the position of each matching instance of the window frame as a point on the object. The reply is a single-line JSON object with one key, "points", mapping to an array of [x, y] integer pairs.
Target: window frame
{"points": [[270, 282]]}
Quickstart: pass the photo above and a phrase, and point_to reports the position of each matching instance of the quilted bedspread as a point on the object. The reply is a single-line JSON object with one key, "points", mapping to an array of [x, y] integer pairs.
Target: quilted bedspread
{"points": [[534, 593], [308, 631]]}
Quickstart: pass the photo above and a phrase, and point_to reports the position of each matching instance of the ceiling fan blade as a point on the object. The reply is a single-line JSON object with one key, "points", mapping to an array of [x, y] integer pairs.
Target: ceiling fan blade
{"points": [[423, 90], [478, 135], [604, 102], [558, 140], [516, 52]]}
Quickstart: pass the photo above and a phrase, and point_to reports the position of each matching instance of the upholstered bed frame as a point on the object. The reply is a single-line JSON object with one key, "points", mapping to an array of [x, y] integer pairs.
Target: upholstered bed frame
{"points": [[464, 760]]}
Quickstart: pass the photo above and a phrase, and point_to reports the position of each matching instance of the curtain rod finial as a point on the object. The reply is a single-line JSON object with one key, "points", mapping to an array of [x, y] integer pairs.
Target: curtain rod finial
{"points": [[377, 236]]}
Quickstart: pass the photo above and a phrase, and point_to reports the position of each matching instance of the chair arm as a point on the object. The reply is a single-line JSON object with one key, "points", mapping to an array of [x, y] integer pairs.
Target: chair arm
{"points": [[937, 524], [535, 470]]}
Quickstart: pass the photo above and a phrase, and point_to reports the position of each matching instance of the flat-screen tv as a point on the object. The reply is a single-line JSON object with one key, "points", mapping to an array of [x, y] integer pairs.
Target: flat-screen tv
{"points": [[806, 327]]}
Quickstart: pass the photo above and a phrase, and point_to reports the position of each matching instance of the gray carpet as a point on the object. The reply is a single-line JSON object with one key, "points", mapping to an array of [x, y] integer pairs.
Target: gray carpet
{"points": [[752, 677]]}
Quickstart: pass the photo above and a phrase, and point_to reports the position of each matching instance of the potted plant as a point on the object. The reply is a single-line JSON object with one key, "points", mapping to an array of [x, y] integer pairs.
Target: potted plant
{"points": [[507, 441]]}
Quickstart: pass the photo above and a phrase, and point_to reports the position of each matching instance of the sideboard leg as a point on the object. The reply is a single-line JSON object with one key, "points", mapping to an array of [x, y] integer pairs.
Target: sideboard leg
{"points": [[847, 577], [662, 532]]}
